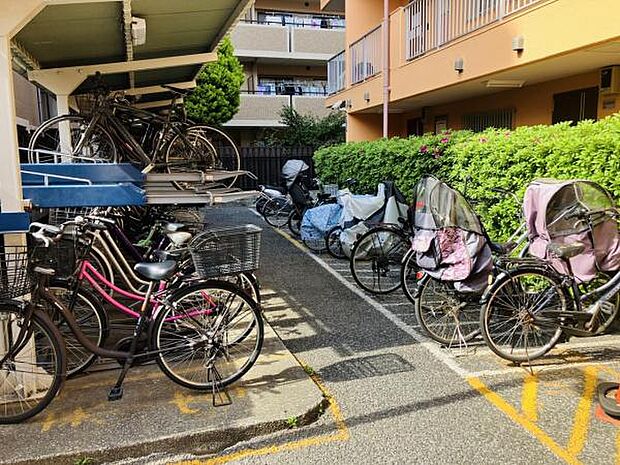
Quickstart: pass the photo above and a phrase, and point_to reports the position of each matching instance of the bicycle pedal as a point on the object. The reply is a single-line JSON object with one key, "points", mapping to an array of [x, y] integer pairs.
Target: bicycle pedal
{"points": [[116, 393]]}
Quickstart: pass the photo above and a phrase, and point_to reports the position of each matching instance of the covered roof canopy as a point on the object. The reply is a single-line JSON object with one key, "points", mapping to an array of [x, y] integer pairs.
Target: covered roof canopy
{"points": [[68, 37]]}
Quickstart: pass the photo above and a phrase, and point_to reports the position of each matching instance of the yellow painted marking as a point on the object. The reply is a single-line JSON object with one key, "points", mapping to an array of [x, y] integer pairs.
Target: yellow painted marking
{"points": [[49, 421], [77, 417], [524, 422], [528, 397], [291, 240], [578, 436], [182, 402], [238, 391], [341, 435]]}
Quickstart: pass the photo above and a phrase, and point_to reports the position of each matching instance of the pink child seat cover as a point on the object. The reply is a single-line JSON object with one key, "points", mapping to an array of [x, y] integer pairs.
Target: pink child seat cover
{"points": [[550, 208]]}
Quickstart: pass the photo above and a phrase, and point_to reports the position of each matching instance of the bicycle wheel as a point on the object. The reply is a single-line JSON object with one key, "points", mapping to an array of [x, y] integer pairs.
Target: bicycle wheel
{"points": [[228, 157], [445, 315], [608, 313], [276, 211], [294, 223], [512, 321], [92, 319], [376, 259], [410, 276], [189, 152], [333, 244], [31, 378], [209, 336], [99, 144]]}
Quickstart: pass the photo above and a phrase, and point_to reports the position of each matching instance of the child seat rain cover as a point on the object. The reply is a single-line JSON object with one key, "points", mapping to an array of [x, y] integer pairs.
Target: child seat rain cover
{"points": [[550, 208], [291, 171], [359, 210], [317, 221], [449, 240]]}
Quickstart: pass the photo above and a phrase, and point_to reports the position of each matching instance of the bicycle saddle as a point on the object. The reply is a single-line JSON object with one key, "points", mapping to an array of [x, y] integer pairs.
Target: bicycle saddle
{"points": [[566, 251], [155, 271], [177, 90]]}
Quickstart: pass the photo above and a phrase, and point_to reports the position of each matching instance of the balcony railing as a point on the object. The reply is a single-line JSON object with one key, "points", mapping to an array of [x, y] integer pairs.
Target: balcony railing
{"points": [[335, 73], [432, 23], [365, 56]]}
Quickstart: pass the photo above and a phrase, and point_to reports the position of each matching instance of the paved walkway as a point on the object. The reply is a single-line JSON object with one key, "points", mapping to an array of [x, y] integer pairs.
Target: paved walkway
{"points": [[399, 398]]}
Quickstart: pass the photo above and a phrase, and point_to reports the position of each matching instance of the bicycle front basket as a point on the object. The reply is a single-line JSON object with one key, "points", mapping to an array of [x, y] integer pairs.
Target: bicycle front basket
{"points": [[226, 250], [15, 275]]}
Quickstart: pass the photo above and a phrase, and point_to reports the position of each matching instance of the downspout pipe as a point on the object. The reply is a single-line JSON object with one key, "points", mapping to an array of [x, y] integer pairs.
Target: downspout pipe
{"points": [[386, 66]]}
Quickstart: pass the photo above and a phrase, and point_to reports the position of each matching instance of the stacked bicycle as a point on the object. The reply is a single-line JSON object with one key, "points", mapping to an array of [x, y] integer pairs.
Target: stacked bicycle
{"points": [[204, 333], [109, 129]]}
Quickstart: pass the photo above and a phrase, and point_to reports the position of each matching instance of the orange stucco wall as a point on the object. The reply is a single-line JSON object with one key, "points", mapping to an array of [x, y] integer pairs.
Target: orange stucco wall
{"points": [[532, 104]]}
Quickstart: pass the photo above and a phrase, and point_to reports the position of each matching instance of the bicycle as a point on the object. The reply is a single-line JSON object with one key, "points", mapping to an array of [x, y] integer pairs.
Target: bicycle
{"points": [[445, 314], [183, 325], [528, 309], [106, 135]]}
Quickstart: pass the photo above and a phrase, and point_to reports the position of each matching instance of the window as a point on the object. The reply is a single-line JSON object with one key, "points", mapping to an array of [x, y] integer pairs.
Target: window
{"points": [[488, 119], [292, 86], [575, 106]]}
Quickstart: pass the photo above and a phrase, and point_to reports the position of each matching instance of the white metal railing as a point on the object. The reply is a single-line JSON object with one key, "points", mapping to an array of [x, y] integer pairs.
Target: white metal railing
{"points": [[365, 56], [432, 23], [335, 73]]}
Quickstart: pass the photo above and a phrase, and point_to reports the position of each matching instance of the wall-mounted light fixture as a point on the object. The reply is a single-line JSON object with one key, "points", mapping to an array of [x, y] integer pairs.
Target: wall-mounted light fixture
{"points": [[518, 44], [459, 65], [367, 96]]}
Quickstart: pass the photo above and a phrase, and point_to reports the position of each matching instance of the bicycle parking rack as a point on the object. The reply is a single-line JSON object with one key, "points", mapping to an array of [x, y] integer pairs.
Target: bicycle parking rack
{"points": [[14, 222]]}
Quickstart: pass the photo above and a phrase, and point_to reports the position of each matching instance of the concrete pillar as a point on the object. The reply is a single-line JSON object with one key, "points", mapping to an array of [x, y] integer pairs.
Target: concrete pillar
{"points": [[10, 183], [64, 128]]}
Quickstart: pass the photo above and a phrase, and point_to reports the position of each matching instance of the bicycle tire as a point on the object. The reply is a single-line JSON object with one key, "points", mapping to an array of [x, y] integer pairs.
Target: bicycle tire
{"points": [[41, 328], [294, 223], [217, 138], [493, 309], [92, 319], [163, 335], [276, 211], [333, 244], [196, 159], [384, 255], [38, 140], [444, 315]]}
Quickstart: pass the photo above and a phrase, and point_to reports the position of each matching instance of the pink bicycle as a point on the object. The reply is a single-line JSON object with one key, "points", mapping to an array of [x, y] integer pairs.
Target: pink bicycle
{"points": [[204, 336]]}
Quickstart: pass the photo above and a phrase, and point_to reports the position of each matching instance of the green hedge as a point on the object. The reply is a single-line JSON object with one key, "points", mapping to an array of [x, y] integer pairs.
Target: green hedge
{"points": [[493, 158]]}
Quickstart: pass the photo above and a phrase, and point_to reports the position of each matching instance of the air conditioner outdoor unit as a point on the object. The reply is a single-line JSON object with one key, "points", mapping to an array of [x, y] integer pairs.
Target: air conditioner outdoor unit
{"points": [[610, 80]]}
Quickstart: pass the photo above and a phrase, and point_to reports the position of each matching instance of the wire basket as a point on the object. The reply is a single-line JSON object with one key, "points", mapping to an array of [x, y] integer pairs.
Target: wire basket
{"points": [[86, 103], [16, 278], [61, 215], [60, 256], [226, 250]]}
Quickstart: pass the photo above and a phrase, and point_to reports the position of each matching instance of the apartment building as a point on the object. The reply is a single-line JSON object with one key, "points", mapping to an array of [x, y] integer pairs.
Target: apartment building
{"points": [[475, 64], [284, 46]]}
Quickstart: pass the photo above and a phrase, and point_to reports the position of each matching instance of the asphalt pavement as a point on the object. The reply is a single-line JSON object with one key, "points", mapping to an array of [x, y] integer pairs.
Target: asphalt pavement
{"points": [[398, 398]]}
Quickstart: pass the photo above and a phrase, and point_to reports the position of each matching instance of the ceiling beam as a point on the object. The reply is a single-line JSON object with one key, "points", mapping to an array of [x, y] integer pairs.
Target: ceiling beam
{"points": [[63, 81], [158, 89]]}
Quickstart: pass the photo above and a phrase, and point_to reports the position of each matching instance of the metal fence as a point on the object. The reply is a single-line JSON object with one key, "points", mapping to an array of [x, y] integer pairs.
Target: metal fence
{"points": [[335, 73], [432, 23], [366, 56], [266, 163]]}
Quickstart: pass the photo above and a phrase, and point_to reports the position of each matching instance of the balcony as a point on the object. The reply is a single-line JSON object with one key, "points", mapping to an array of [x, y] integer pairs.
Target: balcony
{"points": [[259, 110], [365, 55], [336, 73], [265, 40], [430, 24]]}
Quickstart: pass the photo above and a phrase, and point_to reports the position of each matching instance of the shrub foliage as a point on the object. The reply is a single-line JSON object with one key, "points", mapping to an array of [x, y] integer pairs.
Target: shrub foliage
{"points": [[476, 163]]}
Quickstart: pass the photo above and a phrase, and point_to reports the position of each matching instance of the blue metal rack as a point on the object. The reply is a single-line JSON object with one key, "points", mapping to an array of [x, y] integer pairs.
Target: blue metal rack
{"points": [[82, 184]]}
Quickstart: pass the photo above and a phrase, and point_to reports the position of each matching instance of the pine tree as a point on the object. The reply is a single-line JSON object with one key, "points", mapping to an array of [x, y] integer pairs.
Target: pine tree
{"points": [[216, 97]]}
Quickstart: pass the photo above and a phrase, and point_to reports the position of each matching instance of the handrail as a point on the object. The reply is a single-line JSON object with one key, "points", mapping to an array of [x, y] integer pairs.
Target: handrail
{"points": [[365, 56]]}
